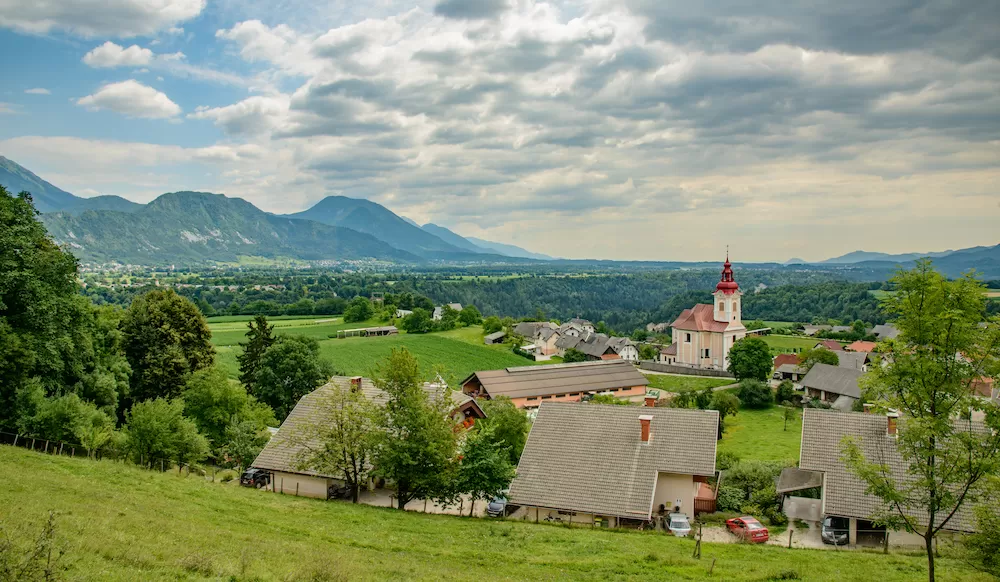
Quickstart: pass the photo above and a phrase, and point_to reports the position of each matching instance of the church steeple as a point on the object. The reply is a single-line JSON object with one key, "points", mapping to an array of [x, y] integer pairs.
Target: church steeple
{"points": [[727, 284], [727, 296]]}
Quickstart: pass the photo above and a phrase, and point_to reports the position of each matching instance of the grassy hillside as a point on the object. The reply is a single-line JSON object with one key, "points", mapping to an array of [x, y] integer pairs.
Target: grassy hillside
{"points": [[456, 353], [120, 523], [231, 330], [761, 434]]}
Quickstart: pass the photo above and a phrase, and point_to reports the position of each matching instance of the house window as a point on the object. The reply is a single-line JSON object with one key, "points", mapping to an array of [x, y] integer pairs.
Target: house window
{"points": [[687, 338], [530, 398], [706, 353], [721, 306]]}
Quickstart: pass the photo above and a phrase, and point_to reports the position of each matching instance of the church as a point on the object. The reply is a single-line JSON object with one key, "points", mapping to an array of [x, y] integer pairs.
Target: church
{"points": [[703, 334]]}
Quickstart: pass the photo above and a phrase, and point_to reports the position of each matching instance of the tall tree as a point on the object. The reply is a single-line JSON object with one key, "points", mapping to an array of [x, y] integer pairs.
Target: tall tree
{"points": [[508, 424], [360, 309], [156, 431], [341, 440], [166, 339], [928, 376], [750, 358], [260, 336], [214, 402], [418, 441], [290, 369], [820, 355]]}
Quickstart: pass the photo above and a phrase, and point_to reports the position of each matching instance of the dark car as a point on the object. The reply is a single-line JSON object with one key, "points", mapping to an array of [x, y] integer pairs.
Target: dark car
{"points": [[834, 531], [498, 506], [258, 478]]}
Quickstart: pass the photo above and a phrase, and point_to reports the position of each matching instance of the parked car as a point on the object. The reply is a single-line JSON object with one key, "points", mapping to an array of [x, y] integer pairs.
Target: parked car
{"points": [[497, 506], [679, 525], [748, 529], [258, 478], [835, 531]]}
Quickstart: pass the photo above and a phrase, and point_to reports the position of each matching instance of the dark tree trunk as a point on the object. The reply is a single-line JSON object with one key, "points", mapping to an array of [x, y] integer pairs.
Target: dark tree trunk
{"points": [[929, 542], [355, 492]]}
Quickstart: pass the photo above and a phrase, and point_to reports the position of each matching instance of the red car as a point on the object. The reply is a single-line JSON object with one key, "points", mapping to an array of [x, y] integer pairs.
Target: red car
{"points": [[748, 529]]}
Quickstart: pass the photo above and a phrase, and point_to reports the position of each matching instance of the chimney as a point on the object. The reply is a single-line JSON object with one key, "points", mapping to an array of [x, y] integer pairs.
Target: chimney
{"points": [[650, 401], [644, 421], [355, 383], [868, 407], [892, 419]]}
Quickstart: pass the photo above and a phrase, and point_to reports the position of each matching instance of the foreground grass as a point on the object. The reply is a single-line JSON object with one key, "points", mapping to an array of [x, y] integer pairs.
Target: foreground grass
{"points": [[121, 523], [685, 383], [761, 434]]}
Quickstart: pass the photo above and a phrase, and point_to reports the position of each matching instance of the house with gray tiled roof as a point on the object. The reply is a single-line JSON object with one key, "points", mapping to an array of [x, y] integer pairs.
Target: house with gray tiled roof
{"points": [[616, 464], [843, 494], [835, 385]]}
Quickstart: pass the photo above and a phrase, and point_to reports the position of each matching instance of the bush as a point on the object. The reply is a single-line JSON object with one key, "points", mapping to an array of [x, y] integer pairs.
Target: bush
{"points": [[729, 498], [775, 517], [786, 392], [226, 476], [719, 517], [751, 510], [755, 394], [726, 460], [492, 324]]}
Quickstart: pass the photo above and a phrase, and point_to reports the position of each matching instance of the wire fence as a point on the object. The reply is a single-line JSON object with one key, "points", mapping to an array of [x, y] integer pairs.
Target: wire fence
{"points": [[106, 453]]}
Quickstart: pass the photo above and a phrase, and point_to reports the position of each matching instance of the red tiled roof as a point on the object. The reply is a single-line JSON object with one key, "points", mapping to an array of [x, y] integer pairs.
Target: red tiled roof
{"points": [[983, 386], [861, 346], [610, 357], [831, 345], [782, 359], [701, 317]]}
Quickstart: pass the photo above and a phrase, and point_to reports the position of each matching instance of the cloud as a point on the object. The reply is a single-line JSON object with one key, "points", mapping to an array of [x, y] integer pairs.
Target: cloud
{"points": [[110, 55], [90, 18], [38, 91], [6, 108], [133, 99], [254, 115], [471, 9]]}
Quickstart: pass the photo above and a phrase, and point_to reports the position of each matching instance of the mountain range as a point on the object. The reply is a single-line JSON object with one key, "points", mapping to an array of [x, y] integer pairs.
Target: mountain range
{"points": [[201, 227]]}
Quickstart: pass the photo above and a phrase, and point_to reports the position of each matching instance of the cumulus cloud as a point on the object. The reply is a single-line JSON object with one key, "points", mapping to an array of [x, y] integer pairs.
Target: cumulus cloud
{"points": [[89, 18], [38, 91], [133, 99], [254, 115], [470, 9], [110, 55]]}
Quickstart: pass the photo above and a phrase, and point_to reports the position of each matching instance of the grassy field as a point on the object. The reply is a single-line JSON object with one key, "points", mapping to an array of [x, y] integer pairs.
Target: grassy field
{"points": [[230, 330], [684, 383], [760, 434], [119, 523], [787, 343], [454, 353]]}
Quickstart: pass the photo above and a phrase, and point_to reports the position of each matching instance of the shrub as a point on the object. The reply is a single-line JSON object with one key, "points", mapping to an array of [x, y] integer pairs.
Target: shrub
{"points": [[729, 498], [755, 394], [775, 517], [751, 510], [719, 517], [786, 392], [226, 476], [725, 460]]}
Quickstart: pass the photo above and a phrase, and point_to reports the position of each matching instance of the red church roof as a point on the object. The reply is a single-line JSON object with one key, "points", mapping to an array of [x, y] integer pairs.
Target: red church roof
{"points": [[701, 317], [727, 284]]}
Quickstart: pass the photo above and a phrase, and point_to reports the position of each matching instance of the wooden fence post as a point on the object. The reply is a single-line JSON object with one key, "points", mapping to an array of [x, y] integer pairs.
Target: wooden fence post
{"points": [[425, 506], [46, 446], [712, 567], [790, 533], [15, 439], [296, 488]]}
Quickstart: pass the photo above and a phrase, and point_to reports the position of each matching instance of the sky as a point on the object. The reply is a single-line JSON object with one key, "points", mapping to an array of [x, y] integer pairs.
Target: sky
{"points": [[632, 129]]}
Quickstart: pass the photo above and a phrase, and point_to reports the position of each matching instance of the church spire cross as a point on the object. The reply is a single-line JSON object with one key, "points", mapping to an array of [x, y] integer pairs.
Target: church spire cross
{"points": [[727, 284]]}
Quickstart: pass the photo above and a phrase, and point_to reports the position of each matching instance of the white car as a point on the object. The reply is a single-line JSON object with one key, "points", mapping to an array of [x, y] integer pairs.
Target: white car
{"points": [[679, 525]]}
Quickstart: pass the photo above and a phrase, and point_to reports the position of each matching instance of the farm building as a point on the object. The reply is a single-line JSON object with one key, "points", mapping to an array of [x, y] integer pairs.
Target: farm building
{"points": [[494, 338], [834, 385], [368, 331], [529, 386], [614, 464], [281, 454]]}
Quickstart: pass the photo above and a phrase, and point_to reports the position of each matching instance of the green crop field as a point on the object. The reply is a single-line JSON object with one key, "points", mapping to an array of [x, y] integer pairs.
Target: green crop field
{"points": [[452, 353], [119, 523], [761, 434], [231, 331], [670, 383]]}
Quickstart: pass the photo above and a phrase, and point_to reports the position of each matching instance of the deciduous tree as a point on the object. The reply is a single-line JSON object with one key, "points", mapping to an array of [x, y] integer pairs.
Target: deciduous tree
{"points": [[484, 469], [290, 369], [928, 376], [750, 358], [820, 355]]}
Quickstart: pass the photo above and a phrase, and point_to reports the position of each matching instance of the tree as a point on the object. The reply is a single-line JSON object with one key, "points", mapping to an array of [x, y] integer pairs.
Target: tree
{"points": [[820, 355], [93, 431], [648, 352], [304, 306], [214, 402], [750, 358], [726, 404], [417, 441], [260, 336], [470, 316], [927, 377], [574, 355], [703, 398], [755, 394], [492, 324], [342, 438], [290, 369], [786, 392], [485, 468], [983, 547], [360, 309], [330, 306], [244, 440], [755, 324], [608, 399], [418, 322], [509, 425], [156, 430], [166, 339], [449, 318]]}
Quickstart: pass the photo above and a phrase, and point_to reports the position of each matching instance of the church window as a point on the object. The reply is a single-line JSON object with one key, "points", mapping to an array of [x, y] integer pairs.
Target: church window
{"points": [[687, 338], [722, 306], [706, 353]]}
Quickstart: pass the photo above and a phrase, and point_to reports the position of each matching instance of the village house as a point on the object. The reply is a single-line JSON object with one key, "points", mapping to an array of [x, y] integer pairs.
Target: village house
{"points": [[282, 453], [704, 334], [861, 346], [833, 385], [668, 354], [885, 331], [439, 311], [614, 466], [843, 494], [853, 360], [832, 345], [529, 386]]}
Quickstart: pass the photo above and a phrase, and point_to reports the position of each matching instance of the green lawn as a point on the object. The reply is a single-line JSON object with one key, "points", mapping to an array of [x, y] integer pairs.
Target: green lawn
{"points": [[230, 333], [119, 523], [787, 343], [760, 434], [685, 383], [455, 357]]}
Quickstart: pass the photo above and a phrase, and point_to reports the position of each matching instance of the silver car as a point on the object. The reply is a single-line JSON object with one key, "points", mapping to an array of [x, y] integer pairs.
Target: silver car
{"points": [[679, 525]]}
